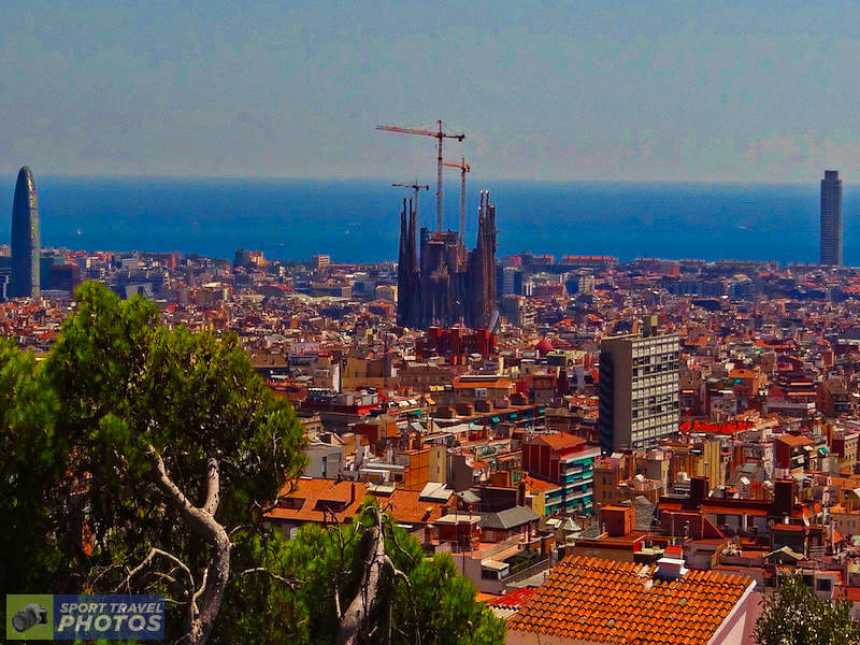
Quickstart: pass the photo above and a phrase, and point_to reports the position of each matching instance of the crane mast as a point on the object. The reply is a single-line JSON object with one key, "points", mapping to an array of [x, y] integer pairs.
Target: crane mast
{"points": [[439, 134], [464, 168]]}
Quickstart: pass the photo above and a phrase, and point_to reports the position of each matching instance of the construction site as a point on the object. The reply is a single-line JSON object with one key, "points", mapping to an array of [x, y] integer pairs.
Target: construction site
{"points": [[440, 282]]}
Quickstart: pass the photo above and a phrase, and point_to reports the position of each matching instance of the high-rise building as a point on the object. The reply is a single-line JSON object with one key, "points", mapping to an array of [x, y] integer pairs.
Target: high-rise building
{"points": [[25, 237], [638, 390], [831, 218]]}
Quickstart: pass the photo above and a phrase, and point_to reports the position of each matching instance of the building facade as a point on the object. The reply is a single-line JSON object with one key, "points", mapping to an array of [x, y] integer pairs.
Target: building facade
{"points": [[447, 286], [831, 218], [25, 238], [567, 461], [638, 391]]}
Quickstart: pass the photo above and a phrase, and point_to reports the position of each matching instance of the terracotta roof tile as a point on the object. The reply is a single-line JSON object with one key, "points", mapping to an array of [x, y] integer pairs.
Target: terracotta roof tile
{"points": [[305, 501], [559, 440], [597, 600]]}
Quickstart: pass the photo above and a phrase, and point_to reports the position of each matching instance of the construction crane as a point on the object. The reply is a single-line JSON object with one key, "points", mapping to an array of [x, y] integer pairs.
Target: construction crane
{"points": [[464, 168], [439, 134], [416, 188]]}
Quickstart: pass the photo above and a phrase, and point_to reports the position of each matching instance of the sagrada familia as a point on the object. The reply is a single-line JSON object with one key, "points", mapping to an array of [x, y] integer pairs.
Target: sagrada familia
{"points": [[446, 285]]}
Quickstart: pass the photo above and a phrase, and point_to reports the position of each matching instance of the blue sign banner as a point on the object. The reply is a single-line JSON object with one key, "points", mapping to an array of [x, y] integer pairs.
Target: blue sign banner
{"points": [[109, 617]]}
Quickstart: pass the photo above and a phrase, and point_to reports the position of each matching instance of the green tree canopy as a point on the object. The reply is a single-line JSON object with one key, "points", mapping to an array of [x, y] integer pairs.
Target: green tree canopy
{"points": [[418, 599], [138, 448], [138, 457], [794, 615]]}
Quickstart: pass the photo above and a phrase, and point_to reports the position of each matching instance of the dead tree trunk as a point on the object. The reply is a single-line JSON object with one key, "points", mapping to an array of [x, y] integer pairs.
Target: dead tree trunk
{"points": [[355, 618], [205, 601], [355, 621]]}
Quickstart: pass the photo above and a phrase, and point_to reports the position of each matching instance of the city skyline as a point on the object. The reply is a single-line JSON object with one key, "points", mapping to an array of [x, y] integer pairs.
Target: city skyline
{"points": [[570, 92], [257, 393]]}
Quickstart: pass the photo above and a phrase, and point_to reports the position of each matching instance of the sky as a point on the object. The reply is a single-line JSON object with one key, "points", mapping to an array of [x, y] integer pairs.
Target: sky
{"points": [[618, 91]]}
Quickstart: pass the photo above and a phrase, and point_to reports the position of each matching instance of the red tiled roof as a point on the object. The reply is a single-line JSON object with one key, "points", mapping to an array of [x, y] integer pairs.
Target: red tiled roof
{"points": [[404, 505], [560, 440], [793, 440], [514, 599], [487, 381], [604, 601], [536, 484], [307, 492]]}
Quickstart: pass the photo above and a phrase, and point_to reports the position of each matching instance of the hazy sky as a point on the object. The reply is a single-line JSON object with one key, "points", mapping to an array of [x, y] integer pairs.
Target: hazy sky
{"points": [[745, 91]]}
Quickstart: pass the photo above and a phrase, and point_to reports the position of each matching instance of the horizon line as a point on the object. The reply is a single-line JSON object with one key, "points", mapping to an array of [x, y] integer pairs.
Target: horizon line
{"points": [[388, 180]]}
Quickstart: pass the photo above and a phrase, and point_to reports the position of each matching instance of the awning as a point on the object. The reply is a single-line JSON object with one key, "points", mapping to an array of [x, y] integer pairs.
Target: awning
{"points": [[495, 419]]}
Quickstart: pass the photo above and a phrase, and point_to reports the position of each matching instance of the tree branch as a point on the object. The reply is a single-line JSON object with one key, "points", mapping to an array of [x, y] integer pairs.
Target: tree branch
{"points": [[355, 618], [213, 487], [201, 618], [147, 561], [290, 582]]}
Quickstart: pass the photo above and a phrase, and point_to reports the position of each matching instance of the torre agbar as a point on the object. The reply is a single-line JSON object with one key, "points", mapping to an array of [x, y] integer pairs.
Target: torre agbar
{"points": [[25, 237]]}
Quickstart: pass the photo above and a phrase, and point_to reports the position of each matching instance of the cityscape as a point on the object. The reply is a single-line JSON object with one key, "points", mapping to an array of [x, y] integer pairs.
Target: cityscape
{"points": [[456, 444]]}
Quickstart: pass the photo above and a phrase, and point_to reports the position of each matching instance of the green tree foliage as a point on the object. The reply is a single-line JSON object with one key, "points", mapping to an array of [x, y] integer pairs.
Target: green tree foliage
{"points": [[29, 463], [794, 615], [125, 383], [431, 604], [137, 456], [84, 435]]}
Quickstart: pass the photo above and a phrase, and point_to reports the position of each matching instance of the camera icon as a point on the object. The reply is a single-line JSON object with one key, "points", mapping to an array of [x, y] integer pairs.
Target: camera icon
{"points": [[29, 616]]}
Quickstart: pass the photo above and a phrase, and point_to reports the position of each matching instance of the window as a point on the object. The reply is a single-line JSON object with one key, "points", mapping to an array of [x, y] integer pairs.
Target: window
{"points": [[823, 584], [330, 505], [294, 503]]}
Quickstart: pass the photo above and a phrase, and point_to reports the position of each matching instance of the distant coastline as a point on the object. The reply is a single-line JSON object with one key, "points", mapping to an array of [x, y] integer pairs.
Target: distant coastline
{"points": [[356, 220]]}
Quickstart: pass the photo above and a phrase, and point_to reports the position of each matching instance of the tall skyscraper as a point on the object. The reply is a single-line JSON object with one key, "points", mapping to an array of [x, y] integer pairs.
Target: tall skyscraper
{"points": [[831, 218], [638, 390], [26, 249]]}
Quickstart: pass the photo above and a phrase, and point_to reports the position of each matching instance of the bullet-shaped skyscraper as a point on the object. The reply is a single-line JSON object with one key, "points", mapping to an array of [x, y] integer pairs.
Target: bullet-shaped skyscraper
{"points": [[26, 249], [831, 218]]}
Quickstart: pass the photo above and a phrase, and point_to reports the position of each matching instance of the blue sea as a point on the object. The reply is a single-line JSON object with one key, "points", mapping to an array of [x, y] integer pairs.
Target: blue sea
{"points": [[357, 221]]}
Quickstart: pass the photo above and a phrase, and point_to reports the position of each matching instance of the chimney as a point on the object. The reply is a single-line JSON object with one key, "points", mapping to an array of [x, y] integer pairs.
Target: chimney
{"points": [[617, 521], [351, 493], [699, 489], [521, 493], [670, 568], [428, 533]]}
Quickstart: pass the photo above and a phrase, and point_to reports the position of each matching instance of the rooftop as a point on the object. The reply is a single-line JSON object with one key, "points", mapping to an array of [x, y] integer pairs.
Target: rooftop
{"points": [[604, 601]]}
